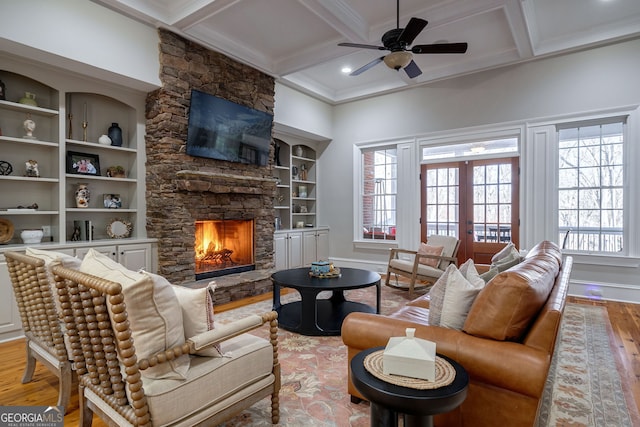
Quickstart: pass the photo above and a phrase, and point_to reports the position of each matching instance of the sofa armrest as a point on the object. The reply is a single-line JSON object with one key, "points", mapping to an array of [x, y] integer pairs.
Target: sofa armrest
{"points": [[509, 365]]}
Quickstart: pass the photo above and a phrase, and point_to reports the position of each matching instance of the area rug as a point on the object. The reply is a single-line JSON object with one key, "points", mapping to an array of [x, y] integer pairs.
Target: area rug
{"points": [[583, 389]]}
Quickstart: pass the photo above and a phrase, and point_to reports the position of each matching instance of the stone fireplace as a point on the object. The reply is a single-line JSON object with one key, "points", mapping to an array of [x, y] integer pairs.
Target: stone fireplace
{"points": [[182, 190]]}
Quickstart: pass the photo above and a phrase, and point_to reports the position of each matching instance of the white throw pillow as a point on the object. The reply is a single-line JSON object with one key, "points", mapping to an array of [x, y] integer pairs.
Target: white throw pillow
{"points": [[436, 296], [197, 313], [154, 314], [504, 253], [461, 291]]}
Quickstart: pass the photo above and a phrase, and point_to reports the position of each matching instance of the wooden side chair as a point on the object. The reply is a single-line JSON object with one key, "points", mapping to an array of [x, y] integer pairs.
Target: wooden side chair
{"points": [[112, 378], [40, 321], [412, 264]]}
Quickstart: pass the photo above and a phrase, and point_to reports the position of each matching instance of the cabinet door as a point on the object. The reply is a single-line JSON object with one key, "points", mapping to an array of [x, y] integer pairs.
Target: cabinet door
{"points": [[309, 250], [280, 251], [322, 245], [10, 325], [109, 251], [135, 257], [295, 250]]}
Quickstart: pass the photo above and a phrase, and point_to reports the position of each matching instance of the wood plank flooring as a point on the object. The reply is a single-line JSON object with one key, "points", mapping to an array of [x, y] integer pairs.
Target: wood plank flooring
{"points": [[43, 390]]}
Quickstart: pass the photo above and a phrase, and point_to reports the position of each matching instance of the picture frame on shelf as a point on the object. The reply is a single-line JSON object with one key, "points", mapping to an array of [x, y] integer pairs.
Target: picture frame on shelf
{"points": [[112, 201], [83, 163]]}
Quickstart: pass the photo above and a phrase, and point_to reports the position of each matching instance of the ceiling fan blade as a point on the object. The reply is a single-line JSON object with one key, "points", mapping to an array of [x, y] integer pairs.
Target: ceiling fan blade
{"points": [[440, 48], [366, 67], [411, 31], [412, 69], [362, 46]]}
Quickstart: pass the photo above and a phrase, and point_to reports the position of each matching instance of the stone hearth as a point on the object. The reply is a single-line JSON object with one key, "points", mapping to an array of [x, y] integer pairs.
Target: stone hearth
{"points": [[181, 189]]}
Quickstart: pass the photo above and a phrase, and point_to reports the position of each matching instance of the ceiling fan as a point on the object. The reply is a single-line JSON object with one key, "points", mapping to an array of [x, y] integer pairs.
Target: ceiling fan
{"points": [[398, 41]]}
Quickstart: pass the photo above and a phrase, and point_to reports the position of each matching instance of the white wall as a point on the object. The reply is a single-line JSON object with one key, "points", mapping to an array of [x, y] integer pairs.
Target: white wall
{"points": [[300, 114], [594, 80], [82, 37]]}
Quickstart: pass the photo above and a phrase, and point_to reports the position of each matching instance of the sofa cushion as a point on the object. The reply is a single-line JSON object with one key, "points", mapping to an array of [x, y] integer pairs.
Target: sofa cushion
{"points": [[503, 253], [460, 287], [430, 250], [154, 314], [506, 306]]}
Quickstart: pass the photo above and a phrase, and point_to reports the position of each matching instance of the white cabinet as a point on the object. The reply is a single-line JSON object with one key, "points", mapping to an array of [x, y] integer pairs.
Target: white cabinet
{"points": [[10, 325], [288, 250], [133, 256], [316, 245]]}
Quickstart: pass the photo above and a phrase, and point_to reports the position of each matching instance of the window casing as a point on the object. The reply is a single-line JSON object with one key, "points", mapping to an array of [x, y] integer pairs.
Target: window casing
{"points": [[591, 190], [379, 185]]}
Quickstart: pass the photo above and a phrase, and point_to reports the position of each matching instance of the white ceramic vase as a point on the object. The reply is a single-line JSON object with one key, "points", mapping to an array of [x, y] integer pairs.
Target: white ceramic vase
{"points": [[32, 236], [104, 140]]}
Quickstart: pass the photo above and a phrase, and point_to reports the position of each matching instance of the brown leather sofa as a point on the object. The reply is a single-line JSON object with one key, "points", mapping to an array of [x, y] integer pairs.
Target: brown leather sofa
{"points": [[506, 343]]}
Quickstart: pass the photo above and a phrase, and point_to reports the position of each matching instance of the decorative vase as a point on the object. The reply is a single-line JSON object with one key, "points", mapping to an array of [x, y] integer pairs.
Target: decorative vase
{"points": [[32, 235], [83, 196], [115, 133], [104, 140], [299, 150], [29, 99]]}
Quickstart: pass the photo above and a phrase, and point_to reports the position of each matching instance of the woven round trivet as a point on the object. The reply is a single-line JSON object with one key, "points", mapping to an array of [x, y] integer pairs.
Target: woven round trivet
{"points": [[445, 373]]}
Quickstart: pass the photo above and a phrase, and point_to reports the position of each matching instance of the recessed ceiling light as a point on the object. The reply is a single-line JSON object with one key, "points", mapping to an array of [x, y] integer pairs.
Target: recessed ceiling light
{"points": [[346, 70]]}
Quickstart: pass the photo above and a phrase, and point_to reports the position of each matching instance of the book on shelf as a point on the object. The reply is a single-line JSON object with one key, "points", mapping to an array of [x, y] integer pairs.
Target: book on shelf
{"points": [[82, 230]]}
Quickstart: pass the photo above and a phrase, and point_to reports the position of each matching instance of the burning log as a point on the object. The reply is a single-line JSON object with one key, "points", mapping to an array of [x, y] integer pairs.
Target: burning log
{"points": [[222, 256]]}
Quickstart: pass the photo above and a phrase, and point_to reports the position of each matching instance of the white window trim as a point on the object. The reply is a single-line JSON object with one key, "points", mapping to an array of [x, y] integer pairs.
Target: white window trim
{"points": [[404, 184], [631, 256]]}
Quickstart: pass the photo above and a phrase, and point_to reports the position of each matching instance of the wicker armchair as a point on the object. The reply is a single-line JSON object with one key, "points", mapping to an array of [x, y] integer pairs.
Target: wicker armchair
{"points": [[40, 321], [111, 375]]}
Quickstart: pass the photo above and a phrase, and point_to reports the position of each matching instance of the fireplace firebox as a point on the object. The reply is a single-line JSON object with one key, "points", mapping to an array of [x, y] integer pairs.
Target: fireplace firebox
{"points": [[223, 247]]}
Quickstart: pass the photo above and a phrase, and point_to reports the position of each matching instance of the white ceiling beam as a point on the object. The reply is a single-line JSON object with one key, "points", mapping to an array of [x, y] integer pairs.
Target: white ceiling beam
{"points": [[341, 17]]}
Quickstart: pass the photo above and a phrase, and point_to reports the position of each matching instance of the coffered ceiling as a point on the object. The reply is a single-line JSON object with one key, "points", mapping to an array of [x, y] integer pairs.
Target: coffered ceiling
{"points": [[296, 40]]}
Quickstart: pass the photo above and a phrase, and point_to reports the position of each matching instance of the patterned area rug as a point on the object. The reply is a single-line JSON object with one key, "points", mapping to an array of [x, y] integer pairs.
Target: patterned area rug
{"points": [[583, 389]]}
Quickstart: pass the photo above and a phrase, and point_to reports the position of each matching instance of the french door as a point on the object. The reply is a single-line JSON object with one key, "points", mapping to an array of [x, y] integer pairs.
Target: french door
{"points": [[476, 201]]}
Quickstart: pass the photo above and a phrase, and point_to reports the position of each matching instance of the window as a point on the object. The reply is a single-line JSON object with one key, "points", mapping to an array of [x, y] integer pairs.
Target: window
{"points": [[591, 185], [379, 192]]}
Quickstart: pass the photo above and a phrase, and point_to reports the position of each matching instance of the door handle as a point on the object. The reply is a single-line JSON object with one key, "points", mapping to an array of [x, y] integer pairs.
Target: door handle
{"points": [[469, 231]]}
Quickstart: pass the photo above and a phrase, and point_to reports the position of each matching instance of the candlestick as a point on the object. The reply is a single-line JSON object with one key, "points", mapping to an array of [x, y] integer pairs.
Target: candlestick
{"points": [[84, 130], [70, 116]]}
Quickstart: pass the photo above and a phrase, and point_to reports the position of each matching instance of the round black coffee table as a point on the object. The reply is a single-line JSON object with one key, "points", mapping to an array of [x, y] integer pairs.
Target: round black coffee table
{"points": [[313, 316], [388, 401]]}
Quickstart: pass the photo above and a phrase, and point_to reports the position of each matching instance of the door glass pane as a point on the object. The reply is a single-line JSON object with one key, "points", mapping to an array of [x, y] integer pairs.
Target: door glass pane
{"points": [[442, 201], [492, 192]]}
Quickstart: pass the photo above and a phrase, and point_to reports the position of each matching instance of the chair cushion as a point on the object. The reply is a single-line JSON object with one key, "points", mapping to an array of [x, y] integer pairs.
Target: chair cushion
{"points": [[423, 270], [430, 250], [197, 313], [154, 314], [248, 360], [448, 242]]}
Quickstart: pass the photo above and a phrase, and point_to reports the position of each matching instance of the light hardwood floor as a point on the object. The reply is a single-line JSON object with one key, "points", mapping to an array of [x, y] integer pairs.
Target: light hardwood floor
{"points": [[43, 390]]}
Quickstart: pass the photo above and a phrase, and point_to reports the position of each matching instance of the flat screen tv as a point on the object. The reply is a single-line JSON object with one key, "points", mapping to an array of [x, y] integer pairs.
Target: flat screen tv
{"points": [[223, 130]]}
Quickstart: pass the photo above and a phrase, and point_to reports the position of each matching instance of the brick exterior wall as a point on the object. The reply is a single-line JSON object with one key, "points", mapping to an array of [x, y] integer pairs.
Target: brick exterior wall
{"points": [[181, 189]]}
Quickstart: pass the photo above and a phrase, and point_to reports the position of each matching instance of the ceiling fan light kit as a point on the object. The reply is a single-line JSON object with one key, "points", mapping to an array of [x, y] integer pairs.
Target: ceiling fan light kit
{"points": [[397, 60]]}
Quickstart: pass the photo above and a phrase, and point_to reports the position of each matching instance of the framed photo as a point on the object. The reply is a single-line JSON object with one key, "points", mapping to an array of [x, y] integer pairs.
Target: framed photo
{"points": [[83, 163], [112, 201]]}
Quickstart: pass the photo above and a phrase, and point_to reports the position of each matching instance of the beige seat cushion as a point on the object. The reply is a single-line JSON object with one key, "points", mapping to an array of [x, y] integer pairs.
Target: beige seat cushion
{"points": [[155, 315], [424, 270], [248, 359]]}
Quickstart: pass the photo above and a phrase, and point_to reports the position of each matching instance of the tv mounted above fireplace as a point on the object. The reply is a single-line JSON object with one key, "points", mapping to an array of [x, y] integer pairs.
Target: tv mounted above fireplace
{"points": [[223, 130]]}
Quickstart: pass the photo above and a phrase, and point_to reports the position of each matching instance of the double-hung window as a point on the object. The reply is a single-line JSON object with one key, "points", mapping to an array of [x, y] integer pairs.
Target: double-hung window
{"points": [[591, 190], [379, 192]]}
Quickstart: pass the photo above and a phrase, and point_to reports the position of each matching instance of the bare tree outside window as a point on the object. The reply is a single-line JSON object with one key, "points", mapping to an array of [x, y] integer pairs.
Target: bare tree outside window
{"points": [[591, 187]]}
